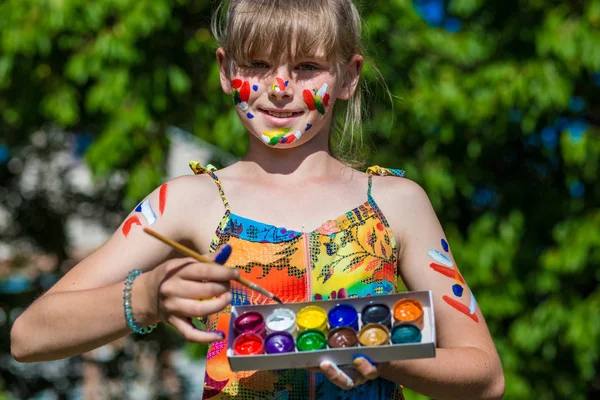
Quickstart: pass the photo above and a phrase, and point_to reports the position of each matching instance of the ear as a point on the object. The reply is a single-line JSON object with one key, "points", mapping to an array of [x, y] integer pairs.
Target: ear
{"points": [[351, 76], [224, 71]]}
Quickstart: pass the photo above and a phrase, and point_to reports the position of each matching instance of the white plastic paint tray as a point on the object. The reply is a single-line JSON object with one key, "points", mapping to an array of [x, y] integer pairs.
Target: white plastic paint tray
{"points": [[339, 356]]}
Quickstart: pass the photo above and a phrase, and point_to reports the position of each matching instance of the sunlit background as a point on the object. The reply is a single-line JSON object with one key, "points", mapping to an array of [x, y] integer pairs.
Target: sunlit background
{"points": [[495, 112]]}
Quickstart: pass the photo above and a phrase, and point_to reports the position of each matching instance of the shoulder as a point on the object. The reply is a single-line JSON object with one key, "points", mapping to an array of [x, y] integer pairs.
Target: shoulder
{"points": [[399, 190], [195, 189], [403, 202], [185, 206], [201, 188], [175, 196]]}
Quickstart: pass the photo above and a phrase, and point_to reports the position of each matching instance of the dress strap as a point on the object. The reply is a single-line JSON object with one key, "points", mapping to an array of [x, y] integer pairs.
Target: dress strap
{"points": [[210, 170], [377, 170]]}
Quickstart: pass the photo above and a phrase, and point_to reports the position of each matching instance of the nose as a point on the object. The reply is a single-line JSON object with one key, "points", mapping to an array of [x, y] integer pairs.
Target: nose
{"points": [[281, 87]]}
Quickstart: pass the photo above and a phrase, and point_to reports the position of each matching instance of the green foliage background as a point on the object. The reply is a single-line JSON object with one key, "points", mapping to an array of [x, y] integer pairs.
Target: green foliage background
{"points": [[467, 123]]}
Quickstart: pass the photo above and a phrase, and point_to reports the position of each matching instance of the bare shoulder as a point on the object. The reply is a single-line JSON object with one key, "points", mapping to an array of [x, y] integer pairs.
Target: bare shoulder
{"points": [[192, 189], [195, 207], [403, 202], [398, 191]]}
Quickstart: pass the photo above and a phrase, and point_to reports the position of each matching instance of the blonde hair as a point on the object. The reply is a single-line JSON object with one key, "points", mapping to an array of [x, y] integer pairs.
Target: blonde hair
{"points": [[295, 29]]}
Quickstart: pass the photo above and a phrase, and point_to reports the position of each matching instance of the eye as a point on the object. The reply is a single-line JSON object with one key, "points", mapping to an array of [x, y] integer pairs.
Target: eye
{"points": [[258, 65], [308, 67]]}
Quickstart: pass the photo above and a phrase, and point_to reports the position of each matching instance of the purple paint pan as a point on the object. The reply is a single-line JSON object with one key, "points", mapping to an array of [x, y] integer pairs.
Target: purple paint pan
{"points": [[279, 342], [250, 322]]}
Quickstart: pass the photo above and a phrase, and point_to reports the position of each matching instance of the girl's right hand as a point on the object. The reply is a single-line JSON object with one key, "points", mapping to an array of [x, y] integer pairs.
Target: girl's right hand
{"points": [[185, 288]]}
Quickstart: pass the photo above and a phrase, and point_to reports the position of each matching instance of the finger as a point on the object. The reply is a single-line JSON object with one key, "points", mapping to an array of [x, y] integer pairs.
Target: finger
{"points": [[223, 254], [356, 376], [336, 375], [194, 308], [365, 366], [193, 289], [193, 334], [209, 272]]}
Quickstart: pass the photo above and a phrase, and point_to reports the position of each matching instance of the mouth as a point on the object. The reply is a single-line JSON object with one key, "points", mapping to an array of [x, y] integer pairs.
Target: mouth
{"points": [[281, 114]]}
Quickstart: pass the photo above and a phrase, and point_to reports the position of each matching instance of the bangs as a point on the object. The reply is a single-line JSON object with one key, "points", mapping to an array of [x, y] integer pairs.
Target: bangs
{"points": [[276, 30]]}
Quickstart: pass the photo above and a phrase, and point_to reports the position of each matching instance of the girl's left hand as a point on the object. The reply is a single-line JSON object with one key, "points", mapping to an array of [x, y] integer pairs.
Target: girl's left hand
{"points": [[348, 378]]}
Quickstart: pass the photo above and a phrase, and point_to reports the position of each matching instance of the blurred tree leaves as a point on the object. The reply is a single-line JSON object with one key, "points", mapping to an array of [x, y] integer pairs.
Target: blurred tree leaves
{"points": [[496, 114]]}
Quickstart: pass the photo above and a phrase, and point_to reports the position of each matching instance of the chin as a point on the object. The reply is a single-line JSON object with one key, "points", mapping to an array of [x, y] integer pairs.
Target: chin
{"points": [[291, 140], [282, 137]]}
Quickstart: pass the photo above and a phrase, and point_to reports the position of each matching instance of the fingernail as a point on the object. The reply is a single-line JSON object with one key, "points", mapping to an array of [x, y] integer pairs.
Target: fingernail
{"points": [[220, 333], [223, 255], [356, 360]]}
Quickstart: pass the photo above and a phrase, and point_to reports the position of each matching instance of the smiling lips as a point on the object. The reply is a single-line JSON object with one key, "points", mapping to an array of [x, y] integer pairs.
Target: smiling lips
{"points": [[281, 114], [280, 119]]}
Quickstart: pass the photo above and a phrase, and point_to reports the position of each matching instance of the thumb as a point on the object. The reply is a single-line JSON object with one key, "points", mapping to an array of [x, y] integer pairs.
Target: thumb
{"points": [[221, 256]]}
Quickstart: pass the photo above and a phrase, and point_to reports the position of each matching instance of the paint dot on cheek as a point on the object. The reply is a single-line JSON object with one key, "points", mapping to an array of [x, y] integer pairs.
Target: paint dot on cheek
{"points": [[250, 116], [308, 126], [255, 88]]}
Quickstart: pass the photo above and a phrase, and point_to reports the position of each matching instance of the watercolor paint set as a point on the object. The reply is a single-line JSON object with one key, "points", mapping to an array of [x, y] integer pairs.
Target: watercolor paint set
{"points": [[300, 335]]}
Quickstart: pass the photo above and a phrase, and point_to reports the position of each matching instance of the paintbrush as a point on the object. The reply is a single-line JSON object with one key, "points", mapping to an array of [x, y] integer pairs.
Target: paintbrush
{"points": [[191, 253]]}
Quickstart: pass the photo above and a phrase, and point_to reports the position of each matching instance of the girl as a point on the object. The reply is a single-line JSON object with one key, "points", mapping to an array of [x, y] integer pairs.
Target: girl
{"points": [[292, 67]]}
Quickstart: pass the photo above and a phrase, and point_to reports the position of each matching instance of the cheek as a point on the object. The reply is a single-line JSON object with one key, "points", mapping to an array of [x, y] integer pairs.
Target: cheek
{"points": [[317, 98], [242, 94]]}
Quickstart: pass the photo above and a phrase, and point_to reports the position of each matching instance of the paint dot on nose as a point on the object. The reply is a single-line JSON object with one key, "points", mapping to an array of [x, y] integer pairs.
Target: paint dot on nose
{"points": [[255, 87]]}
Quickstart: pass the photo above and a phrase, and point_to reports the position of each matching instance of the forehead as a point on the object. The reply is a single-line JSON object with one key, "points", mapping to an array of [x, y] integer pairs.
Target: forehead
{"points": [[270, 31]]}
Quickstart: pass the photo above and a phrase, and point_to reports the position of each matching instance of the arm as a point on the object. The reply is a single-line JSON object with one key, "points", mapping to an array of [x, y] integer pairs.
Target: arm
{"points": [[84, 310], [466, 363]]}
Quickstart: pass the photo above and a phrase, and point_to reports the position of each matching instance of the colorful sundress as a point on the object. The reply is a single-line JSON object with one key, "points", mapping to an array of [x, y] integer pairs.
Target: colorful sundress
{"points": [[354, 255]]}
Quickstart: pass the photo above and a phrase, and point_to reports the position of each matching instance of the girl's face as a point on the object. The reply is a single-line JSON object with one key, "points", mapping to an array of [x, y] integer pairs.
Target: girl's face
{"points": [[286, 105]]}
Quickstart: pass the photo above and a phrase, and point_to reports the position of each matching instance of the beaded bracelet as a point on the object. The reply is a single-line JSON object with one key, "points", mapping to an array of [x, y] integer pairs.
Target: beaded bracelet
{"points": [[131, 322]]}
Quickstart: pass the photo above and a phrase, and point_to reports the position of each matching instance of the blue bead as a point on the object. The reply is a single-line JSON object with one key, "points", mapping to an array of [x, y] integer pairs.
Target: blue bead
{"points": [[127, 306]]}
